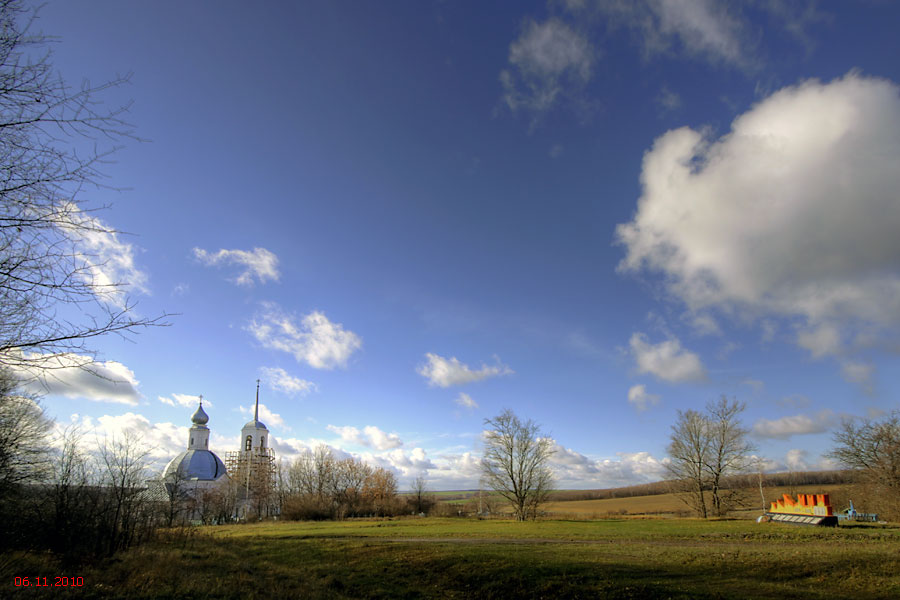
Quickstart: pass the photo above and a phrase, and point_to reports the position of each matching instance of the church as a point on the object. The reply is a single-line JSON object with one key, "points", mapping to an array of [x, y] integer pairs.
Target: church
{"points": [[201, 487]]}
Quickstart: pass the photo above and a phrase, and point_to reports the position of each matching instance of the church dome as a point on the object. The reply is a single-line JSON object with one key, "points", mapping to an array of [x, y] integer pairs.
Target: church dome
{"points": [[200, 417], [256, 423], [195, 464]]}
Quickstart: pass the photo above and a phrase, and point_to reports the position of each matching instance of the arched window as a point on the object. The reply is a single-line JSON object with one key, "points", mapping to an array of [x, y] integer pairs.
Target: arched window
{"points": [[262, 442], [249, 443], [192, 441], [205, 443]]}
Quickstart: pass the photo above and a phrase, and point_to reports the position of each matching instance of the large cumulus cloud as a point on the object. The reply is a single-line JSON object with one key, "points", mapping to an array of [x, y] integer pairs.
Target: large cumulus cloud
{"points": [[794, 212]]}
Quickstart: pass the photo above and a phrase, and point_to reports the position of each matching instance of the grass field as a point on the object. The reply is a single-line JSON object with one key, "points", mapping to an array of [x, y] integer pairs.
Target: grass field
{"points": [[463, 558]]}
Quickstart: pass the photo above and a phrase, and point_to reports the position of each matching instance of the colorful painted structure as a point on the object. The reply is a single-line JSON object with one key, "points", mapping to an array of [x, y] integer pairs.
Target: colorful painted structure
{"points": [[808, 509]]}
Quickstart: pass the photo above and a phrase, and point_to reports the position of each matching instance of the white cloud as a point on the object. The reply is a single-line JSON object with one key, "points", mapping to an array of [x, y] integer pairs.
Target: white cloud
{"points": [[444, 372], [575, 470], [268, 417], [406, 463], [668, 100], [769, 329], [666, 360], [104, 261], [370, 436], [640, 399], [186, 400], [162, 441], [450, 470], [704, 27], [797, 459], [549, 62], [786, 427], [701, 28], [764, 464], [793, 213], [823, 340], [258, 264], [348, 433], [280, 380], [315, 340], [381, 440], [455, 471], [77, 376], [466, 401], [794, 401], [289, 448], [704, 324], [859, 373], [755, 384]]}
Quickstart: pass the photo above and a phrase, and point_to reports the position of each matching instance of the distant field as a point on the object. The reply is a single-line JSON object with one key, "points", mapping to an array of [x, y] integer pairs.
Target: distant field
{"points": [[664, 504], [671, 504], [467, 558]]}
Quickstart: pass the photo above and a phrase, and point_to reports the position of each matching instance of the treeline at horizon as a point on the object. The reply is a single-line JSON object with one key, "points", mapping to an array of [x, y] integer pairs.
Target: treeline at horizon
{"points": [[732, 482]]}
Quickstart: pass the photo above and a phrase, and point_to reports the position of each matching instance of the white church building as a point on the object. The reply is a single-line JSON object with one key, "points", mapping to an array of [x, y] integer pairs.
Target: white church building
{"points": [[241, 487]]}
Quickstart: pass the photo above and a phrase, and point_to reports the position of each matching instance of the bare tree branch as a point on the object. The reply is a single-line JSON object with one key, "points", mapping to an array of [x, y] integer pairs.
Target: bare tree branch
{"points": [[55, 289]]}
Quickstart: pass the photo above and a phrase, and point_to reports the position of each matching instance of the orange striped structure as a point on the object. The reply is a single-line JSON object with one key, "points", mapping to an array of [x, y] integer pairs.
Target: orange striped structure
{"points": [[807, 509]]}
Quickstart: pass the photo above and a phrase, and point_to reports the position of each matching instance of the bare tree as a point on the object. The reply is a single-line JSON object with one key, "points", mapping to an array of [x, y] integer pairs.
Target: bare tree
{"points": [[380, 492], [872, 448], [73, 500], [181, 501], [220, 503], [348, 481], [24, 437], [689, 450], [123, 464], [516, 463], [50, 264], [420, 500], [313, 472], [729, 450], [759, 464], [705, 449]]}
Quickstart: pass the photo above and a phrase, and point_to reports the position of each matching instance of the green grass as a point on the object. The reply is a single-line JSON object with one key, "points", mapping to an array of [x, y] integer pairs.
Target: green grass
{"points": [[456, 558]]}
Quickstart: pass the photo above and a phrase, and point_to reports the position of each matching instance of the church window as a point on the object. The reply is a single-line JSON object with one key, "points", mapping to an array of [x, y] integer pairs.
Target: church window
{"points": [[249, 444], [192, 442], [262, 442]]}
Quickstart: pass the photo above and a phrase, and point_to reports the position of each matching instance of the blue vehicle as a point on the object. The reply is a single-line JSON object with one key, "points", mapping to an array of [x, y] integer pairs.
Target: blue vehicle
{"points": [[851, 514]]}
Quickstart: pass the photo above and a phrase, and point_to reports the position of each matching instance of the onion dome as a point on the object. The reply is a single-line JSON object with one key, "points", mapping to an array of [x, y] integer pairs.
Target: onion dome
{"points": [[200, 417]]}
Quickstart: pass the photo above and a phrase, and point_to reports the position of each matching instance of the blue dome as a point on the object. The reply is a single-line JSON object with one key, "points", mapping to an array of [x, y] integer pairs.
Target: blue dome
{"points": [[195, 464], [255, 424]]}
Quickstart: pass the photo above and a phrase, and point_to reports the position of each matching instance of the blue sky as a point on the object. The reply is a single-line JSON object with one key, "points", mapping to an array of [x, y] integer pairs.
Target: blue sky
{"points": [[404, 218]]}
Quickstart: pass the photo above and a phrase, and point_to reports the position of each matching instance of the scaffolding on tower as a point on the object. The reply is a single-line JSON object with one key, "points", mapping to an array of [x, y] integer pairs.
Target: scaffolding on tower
{"points": [[254, 472]]}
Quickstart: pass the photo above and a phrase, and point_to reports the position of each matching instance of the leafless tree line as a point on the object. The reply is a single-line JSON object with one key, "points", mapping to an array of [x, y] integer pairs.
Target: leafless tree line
{"points": [[730, 482], [76, 502], [318, 485]]}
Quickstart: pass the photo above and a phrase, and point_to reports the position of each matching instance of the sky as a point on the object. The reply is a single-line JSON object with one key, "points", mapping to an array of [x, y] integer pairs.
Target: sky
{"points": [[404, 218]]}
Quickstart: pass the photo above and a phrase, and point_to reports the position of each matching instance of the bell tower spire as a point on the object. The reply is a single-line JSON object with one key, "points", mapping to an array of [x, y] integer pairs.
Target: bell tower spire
{"points": [[256, 412], [254, 432]]}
